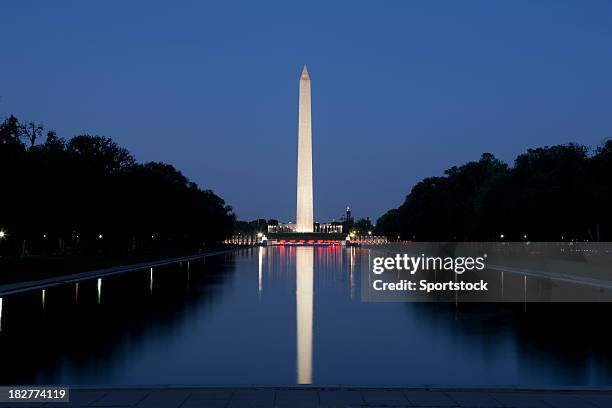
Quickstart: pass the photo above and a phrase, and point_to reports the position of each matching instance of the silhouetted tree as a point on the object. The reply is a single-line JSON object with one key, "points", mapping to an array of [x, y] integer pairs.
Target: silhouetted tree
{"points": [[10, 132], [31, 132], [551, 193], [362, 226], [100, 152], [53, 142], [89, 194], [388, 224]]}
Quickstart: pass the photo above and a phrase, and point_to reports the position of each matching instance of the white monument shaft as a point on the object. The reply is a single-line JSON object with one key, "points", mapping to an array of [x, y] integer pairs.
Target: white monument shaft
{"points": [[304, 218]]}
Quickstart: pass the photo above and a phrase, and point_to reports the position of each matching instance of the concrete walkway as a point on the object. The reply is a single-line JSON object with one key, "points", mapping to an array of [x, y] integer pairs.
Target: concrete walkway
{"points": [[291, 397], [13, 288]]}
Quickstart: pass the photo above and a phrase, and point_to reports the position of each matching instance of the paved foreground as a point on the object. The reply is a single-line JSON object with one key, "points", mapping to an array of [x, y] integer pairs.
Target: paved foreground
{"points": [[331, 397]]}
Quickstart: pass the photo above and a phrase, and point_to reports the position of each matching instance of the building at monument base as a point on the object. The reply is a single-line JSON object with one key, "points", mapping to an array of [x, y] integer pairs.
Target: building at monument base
{"points": [[306, 239], [318, 227], [323, 234]]}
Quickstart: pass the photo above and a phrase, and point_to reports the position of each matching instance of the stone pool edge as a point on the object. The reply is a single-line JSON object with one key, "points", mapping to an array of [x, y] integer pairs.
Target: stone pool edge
{"points": [[20, 287]]}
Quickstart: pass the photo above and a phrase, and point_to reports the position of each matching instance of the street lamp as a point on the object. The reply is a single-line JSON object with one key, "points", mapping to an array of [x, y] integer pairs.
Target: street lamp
{"points": [[2, 234]]}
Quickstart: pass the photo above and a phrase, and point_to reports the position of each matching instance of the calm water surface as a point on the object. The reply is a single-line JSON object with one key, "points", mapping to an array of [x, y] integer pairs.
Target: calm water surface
{"points": [[282, 316]]}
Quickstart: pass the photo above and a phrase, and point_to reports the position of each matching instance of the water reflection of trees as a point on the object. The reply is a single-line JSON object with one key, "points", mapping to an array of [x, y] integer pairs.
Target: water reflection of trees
{"points": [[77, 335], [571, 340]]}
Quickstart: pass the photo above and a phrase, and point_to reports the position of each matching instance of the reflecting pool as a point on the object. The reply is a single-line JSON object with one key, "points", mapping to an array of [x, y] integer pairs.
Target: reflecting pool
{"points": [[283, 316]]}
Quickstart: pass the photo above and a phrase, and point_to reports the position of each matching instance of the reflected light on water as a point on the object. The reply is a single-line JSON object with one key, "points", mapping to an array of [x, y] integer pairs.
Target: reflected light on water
{"points": [[304, 302], [0, 314], [99, 290], [151, 282], [525, 293], [196, 329], [76, 292], [260, 268], [352, 273]]}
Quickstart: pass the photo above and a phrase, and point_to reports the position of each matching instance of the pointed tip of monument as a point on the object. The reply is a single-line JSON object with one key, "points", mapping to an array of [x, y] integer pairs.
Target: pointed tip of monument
{"points": [[305, 73]]}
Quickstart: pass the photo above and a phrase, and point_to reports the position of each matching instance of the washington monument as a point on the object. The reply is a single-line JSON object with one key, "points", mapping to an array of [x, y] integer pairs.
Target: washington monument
{"points": [[304, 217]]}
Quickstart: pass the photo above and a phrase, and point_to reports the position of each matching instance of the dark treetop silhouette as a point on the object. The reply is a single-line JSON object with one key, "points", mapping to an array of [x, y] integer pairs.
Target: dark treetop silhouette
{"points": [[553, 193], [88, 194]]}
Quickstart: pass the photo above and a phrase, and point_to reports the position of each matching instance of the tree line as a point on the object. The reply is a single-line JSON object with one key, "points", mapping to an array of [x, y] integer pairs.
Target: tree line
{"points": [[88, 193], [553, 193]]}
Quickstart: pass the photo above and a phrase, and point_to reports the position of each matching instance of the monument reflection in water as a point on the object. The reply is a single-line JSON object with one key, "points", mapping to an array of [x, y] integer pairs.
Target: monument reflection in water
{"points": [[231, 320], [304, 301], [304, 258]]}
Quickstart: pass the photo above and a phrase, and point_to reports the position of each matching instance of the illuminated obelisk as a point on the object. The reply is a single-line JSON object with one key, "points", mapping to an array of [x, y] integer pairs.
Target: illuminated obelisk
{"points": [[304, 218]]}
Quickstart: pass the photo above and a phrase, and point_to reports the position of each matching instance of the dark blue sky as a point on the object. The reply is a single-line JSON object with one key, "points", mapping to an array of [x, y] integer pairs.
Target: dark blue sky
{"points": [[401, 90]]}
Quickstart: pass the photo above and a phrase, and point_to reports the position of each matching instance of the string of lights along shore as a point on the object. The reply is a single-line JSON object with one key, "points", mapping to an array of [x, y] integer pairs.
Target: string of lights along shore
{"points": [[304, 217]]}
